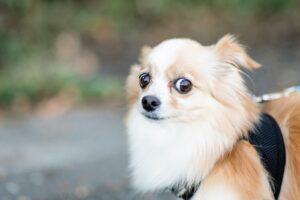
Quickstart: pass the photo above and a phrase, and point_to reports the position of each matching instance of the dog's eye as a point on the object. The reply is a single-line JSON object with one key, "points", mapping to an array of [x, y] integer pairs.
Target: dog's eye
{"points": [[183, 85], [144, 80]]}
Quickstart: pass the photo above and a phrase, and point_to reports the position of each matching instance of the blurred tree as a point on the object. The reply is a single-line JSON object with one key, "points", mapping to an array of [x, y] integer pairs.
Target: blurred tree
{"points": [[31, 35]]}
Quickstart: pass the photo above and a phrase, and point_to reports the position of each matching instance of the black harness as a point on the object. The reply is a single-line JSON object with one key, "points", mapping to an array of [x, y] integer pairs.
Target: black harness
{"points": [[184, 192], [269, 144], [268, 141]]}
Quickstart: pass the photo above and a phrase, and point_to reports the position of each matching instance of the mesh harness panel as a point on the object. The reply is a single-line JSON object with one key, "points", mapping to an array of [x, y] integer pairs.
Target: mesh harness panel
{"points": [[269, 144]]}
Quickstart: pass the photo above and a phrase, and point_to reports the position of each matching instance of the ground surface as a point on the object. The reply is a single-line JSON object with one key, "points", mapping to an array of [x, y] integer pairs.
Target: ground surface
{"points": [[82, 153], [79, 155]]}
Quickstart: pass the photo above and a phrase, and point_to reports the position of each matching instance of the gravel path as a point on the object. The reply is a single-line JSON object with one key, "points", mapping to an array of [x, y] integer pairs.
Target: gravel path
{"points": [[79, 155]]}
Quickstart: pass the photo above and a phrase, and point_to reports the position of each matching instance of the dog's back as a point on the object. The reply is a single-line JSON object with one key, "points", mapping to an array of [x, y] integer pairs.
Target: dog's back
{"points": [[287, 113]]}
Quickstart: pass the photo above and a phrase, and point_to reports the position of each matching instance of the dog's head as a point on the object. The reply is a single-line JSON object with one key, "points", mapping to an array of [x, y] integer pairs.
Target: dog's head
{"points": [[188, 107], [181, 80]]}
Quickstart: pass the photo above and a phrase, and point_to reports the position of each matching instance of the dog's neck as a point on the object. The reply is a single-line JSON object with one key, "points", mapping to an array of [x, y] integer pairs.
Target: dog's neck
{"points": [[163, 154]]}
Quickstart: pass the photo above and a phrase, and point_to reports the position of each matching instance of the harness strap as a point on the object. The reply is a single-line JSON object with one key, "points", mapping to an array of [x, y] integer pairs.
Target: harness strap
{"points": [[269, 144], [184, 192]]}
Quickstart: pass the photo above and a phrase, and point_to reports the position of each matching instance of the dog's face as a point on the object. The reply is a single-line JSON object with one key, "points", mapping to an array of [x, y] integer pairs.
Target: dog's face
{"points": [[181, 80]]}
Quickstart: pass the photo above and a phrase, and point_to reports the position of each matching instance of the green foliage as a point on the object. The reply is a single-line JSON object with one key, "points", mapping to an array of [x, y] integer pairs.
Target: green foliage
{"points": [[30, 28], [253, 5], [36, 85]]}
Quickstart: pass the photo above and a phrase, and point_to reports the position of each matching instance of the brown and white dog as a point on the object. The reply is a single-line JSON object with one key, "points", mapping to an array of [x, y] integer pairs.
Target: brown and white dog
{"points": [[189, 107]]}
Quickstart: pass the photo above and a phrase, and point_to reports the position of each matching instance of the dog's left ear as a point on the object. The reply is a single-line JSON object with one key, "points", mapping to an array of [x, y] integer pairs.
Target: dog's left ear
{"points": [[145, 50], [230, 51]]}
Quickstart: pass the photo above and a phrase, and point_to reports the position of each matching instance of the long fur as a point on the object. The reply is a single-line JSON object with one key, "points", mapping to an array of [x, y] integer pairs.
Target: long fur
{"points": [[198, 140]]}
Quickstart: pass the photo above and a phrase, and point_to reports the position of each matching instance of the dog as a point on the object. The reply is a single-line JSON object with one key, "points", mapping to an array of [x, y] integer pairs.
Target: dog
{"points": [[190, 119]]}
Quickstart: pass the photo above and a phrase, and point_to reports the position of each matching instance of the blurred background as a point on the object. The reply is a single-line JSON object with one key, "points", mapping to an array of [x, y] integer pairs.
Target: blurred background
{"points": [[62, 69]]}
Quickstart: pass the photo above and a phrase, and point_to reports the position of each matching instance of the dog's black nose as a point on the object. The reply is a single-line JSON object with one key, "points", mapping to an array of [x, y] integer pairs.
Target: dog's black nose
{"points": [[150, 103]]}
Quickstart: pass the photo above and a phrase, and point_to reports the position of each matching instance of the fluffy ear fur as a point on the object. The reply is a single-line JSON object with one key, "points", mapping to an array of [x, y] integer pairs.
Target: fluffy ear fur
{"points": [[145, 50], [232, 52]]}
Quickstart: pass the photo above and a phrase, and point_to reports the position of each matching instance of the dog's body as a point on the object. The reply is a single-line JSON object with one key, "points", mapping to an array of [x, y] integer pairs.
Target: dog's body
{"points": [[189, 109], [287, 113]]}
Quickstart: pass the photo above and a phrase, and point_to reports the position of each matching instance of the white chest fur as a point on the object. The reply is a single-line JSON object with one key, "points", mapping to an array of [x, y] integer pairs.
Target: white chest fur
{"points": [[219, 191], [163, 153]]}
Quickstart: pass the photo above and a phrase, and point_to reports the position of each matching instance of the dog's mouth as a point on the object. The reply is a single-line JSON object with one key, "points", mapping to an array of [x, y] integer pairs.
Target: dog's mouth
{"points": [[153, 116]]}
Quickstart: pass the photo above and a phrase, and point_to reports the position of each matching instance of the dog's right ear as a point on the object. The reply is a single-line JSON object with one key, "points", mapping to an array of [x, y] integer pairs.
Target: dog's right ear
{"points": [[145, 50]]}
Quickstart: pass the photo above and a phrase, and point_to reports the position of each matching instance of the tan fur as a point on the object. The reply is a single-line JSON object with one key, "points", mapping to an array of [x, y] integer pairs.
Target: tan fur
{"points": [[287, 113], [145, 52], [241, 170]]}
